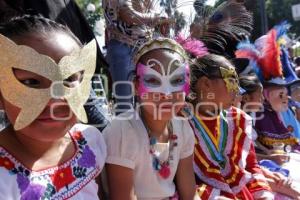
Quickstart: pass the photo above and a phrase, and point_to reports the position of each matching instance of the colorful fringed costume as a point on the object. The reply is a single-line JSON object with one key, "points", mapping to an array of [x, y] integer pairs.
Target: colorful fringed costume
{"points": [[271, 129], [267, 55], [234, 172]]}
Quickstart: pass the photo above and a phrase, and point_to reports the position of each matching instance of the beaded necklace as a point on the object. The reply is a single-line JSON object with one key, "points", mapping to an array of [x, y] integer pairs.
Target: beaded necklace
{"points": [[162, 167]]}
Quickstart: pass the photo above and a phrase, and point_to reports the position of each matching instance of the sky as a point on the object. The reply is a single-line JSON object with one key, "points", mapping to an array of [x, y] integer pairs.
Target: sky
{"points": [[211, 2]]}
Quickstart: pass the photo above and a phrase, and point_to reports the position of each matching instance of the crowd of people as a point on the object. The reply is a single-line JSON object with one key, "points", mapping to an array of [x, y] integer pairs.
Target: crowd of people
{"points": [[204, 115]]}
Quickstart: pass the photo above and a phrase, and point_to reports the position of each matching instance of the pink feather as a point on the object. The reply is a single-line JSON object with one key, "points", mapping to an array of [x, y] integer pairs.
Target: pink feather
{"points": [[193, 46]]}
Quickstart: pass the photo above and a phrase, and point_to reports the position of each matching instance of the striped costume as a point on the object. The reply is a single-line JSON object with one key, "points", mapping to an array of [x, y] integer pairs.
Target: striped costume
{"points": [[224, 158]]}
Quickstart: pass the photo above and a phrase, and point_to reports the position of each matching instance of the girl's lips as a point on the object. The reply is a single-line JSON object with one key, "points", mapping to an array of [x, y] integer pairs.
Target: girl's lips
{"points": [[55, 113], [47, 120], [167, 106]]}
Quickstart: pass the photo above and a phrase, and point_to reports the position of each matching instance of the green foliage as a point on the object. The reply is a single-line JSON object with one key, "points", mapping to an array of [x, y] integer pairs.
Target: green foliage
{"points": [[201, 8], [297, 52], [83, 4], [91, 17], [180, 21], [169, 5], [277, 11], [170, 9], [219, 2]]}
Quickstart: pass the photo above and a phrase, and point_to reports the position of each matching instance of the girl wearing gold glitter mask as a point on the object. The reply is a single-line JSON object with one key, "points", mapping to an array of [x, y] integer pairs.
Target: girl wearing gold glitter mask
{"points": [[44, 82], [148, 147]]}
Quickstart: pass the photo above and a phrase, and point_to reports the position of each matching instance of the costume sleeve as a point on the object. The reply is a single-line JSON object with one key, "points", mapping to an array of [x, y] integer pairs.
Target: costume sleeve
{"points": [[96, 142], [122, 144], [258, 186]]}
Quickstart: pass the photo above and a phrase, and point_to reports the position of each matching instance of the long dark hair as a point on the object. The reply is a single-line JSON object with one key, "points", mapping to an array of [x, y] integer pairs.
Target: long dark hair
{"points": [[250, 83]]}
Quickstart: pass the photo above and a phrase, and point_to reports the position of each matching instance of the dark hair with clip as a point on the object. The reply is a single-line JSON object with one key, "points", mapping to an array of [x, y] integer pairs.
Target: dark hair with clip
{"points": [[27, 24], [209, 66], [250, 83]]}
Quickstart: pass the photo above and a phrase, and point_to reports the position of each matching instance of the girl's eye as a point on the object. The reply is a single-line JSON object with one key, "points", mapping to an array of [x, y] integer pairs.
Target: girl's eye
{"points": [[31, 79], [73, 80], [152, 81], [33, 83], [179, 80], [232, 80]]}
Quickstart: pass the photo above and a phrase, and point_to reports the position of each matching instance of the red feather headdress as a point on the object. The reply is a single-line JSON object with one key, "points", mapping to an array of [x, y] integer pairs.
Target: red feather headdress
{"points": [[269, 60], [265, 52]]}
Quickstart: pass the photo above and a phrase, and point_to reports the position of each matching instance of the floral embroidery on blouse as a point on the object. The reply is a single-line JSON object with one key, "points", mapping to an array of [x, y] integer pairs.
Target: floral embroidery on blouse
{"points": [[57, 182]]}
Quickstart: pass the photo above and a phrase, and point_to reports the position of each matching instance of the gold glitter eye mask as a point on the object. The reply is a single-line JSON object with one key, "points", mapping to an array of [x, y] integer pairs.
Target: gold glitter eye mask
{"points": [[231, 79], [33, 101]]}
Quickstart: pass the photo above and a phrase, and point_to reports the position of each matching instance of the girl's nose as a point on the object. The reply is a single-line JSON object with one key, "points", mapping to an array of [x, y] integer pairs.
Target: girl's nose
{"points": [[58, 101]]}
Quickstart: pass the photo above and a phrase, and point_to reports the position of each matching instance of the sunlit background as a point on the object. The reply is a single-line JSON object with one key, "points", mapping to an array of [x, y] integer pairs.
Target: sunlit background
{"points": [[266, 13]]}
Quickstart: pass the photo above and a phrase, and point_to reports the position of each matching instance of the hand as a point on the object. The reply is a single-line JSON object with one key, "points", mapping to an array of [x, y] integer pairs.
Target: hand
{"points": [[289, 190], [281, 181], [283, 185], [277, 177]]}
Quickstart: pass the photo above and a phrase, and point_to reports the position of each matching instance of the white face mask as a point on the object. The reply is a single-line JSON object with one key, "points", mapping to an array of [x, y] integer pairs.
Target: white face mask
{"points": [[278, 98], [165, 82], [32, 101]]}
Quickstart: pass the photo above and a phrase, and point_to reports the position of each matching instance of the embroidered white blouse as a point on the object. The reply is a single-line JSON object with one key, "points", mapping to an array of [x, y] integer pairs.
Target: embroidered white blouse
{"points": [[73, 179]]}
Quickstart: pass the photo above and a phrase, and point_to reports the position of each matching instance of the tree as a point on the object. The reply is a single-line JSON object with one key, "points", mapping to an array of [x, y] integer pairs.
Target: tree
{"points": [[277, 11], [170, 9], [91, 9], [200, 7]]}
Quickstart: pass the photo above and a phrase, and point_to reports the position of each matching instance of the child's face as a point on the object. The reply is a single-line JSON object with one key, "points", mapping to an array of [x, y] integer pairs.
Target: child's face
{"points": [[253, 102], [237, 101], [218, 93], [295, 92], [223, 97], [57, 117], [162, 83], [277, 96]]}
